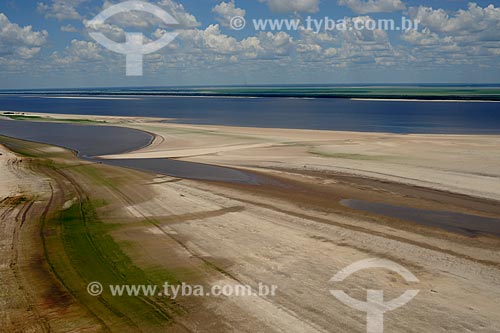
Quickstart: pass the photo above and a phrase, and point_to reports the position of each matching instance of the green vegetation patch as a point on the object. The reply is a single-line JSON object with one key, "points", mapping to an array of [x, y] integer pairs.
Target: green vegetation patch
{"points": [[35, 149], [81, 250], [347, 156], [466, 93], [62, 120]]}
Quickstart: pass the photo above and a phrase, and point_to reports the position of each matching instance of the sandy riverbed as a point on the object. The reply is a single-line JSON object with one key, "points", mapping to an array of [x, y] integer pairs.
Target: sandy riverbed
{"points": [[299, 236], [14, 180]]}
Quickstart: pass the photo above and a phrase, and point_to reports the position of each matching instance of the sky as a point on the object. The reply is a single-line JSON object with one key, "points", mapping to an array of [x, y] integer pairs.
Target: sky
{"points": [[47, 43]]}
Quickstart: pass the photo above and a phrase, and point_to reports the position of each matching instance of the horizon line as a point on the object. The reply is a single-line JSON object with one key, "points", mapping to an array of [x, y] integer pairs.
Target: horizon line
{"points": [[422, 84]]}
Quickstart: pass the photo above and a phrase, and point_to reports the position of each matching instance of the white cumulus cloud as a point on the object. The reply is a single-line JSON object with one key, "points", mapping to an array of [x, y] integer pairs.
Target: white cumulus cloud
{"points": [[293, 6], [226, 11], [19, 41], [473, 20], [61, 9], [68, 28], [373, 6]]}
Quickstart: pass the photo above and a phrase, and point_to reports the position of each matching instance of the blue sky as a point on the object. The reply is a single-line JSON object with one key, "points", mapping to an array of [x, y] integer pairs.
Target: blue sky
{"points": [[46, 43]]}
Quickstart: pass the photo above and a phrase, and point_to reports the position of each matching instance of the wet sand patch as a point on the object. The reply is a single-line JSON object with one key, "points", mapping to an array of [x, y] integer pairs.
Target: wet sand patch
{"points": [[465, 224]]}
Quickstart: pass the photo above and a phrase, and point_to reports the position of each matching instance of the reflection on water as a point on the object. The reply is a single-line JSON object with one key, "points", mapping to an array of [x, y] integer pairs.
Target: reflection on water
{"points": [[469, 225], [90, 141]]}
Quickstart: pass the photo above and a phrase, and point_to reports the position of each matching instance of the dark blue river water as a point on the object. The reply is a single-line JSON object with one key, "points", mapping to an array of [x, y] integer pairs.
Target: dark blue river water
{"points": [[323, 114]]}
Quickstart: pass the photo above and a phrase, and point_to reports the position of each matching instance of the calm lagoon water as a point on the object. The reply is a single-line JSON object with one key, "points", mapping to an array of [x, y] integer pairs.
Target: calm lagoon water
{"points": [[323, 114], [90, 141], [87, 140]]}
